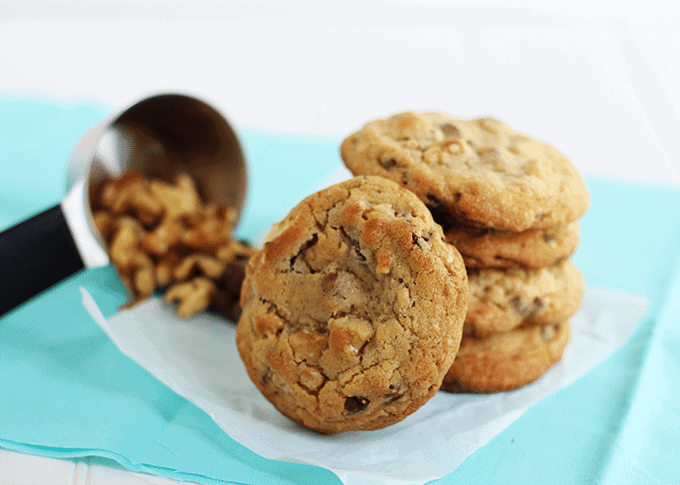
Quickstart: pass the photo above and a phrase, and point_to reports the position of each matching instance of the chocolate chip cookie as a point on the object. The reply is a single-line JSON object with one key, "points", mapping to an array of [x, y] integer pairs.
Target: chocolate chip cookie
{"points": [[506, 361], [480, 171], [501, 300], [353, 309], [531, 249]]}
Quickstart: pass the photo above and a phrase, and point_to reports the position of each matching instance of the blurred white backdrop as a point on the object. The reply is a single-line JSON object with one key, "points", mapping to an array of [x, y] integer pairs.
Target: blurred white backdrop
{"points": [[600, 83]]}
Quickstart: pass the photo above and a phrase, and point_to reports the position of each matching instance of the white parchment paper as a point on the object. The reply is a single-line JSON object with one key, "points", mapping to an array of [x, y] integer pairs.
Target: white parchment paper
{"points": [[197, 358]]}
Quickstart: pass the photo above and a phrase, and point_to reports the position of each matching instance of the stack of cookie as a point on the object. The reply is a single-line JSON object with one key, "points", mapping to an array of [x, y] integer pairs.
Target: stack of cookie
{"points": [[510, 205]]}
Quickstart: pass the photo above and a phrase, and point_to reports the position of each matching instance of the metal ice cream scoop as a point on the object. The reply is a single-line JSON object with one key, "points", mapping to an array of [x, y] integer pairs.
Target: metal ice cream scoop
{"points": [[160, 136]]}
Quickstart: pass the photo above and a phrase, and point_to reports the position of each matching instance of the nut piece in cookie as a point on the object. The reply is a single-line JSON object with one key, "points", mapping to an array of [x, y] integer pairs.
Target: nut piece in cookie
{"points": [[353, 310], [480, 171], [506, 361]]}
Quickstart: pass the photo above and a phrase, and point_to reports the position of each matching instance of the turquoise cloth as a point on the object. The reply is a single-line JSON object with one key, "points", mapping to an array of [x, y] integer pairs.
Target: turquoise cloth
{"points": [[66, 391]]}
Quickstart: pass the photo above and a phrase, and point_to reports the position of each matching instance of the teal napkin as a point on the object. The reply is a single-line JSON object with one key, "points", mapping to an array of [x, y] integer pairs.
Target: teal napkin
{"points": [[66, 391]]}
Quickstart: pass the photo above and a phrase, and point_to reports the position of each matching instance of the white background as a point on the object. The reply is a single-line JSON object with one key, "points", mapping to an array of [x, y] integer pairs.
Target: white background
{"points": [[598, 80]]}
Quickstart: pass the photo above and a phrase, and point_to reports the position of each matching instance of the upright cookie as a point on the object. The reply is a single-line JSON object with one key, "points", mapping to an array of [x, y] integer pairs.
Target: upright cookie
{"points": [[480, 171], [506, 361], [531, 249], [353, 310], [501, 300]]}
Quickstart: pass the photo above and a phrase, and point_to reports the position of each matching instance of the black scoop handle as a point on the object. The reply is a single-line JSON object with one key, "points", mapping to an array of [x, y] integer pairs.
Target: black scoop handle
{"points": [[35, 255]]}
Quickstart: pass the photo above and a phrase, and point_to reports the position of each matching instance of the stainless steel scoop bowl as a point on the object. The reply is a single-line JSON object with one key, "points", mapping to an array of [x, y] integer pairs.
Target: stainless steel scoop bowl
{"points": [[162, 136]]}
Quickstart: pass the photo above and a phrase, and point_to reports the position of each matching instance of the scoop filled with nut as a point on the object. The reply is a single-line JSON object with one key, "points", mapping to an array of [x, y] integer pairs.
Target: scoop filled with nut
{"points": [[163, 237]]}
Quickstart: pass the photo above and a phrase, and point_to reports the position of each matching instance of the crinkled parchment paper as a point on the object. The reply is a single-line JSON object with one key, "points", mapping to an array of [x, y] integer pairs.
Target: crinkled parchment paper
{"points": [[197, 358]]}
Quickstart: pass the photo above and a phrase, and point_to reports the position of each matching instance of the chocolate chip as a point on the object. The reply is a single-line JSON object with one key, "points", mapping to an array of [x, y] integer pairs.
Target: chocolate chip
{"points": [[538, 303], [328, 285], [548, 238], [356, 404], [519, 306], [388, 164], [450, 131]]}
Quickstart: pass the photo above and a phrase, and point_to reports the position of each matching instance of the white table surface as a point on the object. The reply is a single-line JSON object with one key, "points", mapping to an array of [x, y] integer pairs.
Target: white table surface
{"points": [[600, 83]]}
